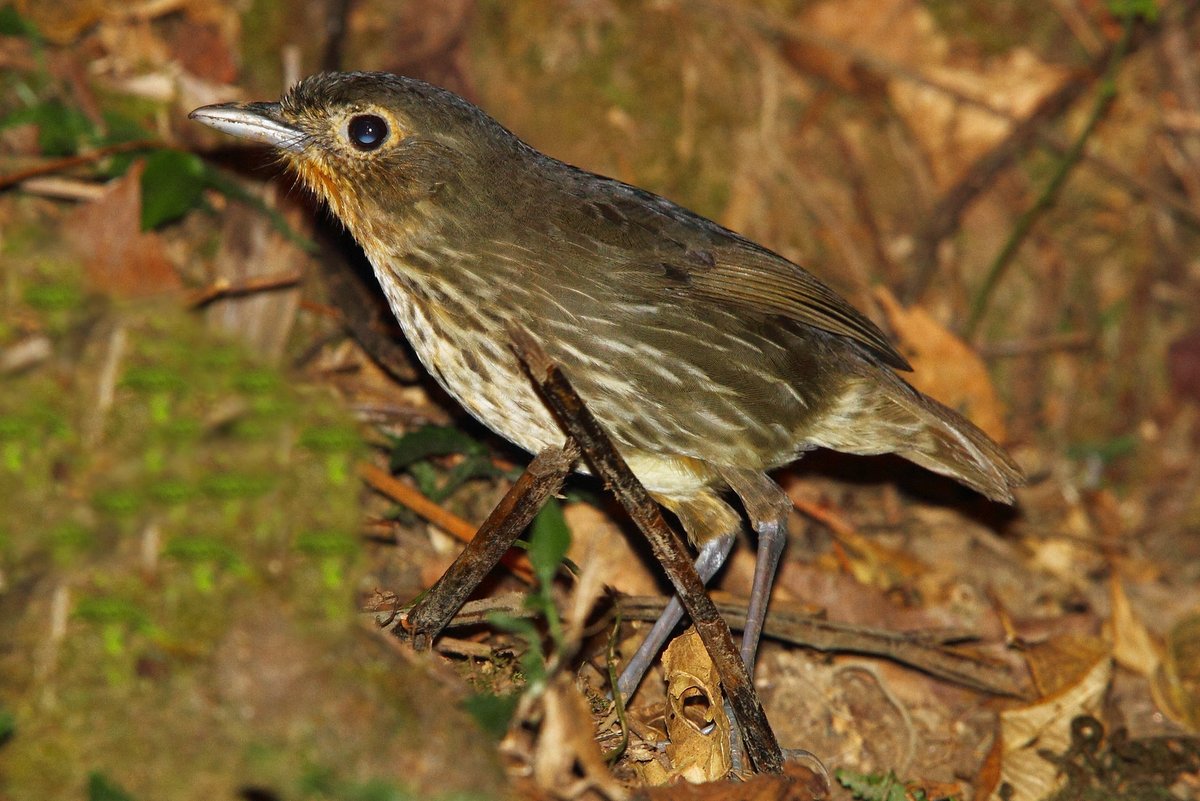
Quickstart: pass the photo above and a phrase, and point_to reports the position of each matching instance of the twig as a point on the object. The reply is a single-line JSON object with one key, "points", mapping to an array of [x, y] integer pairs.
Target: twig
{"points": [[610, 659], [1075, 340], [543, 478], [1108, 92], [224, 288], [762, 748], [947, 214], [69, 162], [922, 651], [451, 523]]}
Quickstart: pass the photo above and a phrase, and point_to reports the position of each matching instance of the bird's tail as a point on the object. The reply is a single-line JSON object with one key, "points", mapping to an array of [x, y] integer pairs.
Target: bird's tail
{"points": [[895, 418]]}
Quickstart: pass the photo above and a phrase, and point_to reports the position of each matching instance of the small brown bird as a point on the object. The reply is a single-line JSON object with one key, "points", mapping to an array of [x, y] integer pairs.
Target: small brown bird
{"points": [[709, 359]]}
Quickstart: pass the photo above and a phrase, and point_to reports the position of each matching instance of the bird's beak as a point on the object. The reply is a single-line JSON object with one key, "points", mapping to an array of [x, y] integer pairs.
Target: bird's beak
{"points": [[258, 122]]}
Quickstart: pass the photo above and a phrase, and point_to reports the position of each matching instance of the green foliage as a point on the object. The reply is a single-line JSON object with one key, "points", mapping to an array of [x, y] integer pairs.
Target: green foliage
{"points": [[101, 788], [414, 451], [173, 184], [13, 24], [1145, 10], [549, 539], [8, 725], [52, 296], [880, 787], [492, 712]]}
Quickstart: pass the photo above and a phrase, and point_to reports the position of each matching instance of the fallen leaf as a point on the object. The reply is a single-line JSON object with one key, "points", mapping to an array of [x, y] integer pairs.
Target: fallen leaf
{"points": [[944, 366], [699, 730], [594, 535], [565, 759], [1176, 683], [1024, 774], [952, 130], [1134, 647], [118, 256]]}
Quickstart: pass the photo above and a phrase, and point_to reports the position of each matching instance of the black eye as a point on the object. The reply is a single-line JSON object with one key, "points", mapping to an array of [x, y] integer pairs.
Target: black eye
{"points": [[367, 131]]}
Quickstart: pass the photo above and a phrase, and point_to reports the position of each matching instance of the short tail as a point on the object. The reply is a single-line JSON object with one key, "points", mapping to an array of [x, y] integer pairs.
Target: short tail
{"points": [[895, 418]]}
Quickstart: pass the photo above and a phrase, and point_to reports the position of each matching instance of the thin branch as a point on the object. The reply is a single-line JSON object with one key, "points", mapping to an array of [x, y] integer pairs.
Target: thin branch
{"points": [[79, 160], [543, 478], [449, 522], [923, 651], [1000, 265], [224, 288], [762, 748]]}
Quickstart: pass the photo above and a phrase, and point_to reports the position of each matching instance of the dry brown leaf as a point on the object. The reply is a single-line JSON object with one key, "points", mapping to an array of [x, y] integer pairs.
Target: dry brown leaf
{"points": [[1059, 662], [954, 133], [944, 366], [204, 50], [699, 730], [1045, 725], [1176, 683], [901, 32], [565, 758], [1134, 647], [118, 256], [797, 783], [62, 21], [594, 535]]}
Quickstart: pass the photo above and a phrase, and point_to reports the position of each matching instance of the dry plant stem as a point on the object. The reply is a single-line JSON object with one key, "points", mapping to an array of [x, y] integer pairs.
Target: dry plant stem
{"points": [[1108, 92], [69, 162], [544, 477], [762, 749], [947, 215], [452, 524], [917, 650], [229, 289]]}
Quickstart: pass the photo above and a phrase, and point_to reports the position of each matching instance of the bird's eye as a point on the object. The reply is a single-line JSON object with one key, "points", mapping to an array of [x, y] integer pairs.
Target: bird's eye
{"points": [[367, 131]]}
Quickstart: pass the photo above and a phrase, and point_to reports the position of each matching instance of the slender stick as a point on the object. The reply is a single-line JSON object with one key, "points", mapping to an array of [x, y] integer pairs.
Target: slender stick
{"points": [[462, 530], [762, 748], [1026, 222], [543, 478]]}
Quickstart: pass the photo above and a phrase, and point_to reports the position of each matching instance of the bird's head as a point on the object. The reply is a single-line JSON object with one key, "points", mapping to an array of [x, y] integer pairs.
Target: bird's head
{"points": [[373, 145]]}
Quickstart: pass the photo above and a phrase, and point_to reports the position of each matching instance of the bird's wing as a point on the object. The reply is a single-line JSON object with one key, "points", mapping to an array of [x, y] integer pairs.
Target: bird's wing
{"points": [[766, 283], [694, 257]]}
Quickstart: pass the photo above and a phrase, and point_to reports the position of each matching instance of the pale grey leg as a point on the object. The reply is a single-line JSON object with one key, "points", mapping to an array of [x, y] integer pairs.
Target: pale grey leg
{"points": [[712, 555], [768, 507]]}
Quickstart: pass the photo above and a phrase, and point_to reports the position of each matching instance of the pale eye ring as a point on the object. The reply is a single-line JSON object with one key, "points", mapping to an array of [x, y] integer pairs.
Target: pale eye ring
{"points": [[367, 132]]}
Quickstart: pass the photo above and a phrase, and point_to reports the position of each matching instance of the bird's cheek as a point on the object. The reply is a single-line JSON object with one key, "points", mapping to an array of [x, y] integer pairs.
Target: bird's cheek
{"points": [[319, 178]]}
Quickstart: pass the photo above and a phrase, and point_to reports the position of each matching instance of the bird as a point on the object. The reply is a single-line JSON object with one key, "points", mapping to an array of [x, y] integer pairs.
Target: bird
{"points": [[710, 360]]}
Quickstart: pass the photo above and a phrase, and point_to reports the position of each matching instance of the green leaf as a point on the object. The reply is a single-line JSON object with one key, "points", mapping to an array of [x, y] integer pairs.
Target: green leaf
{"points": [[549, 539], [473, 466], [327, 543], [13, 24], [173, 184], [8, 726], [492, 712], [101, 788], [61, 128], [1147, 10], [533, 662], [430, 441]]}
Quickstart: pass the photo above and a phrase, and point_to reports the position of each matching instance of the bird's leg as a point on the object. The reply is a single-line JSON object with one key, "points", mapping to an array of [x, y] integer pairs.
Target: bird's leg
{"points": [[712, 555], [767, 506]]}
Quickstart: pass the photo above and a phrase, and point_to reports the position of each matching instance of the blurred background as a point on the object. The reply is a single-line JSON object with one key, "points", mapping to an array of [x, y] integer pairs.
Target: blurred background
{"points": [[195, 364]]}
